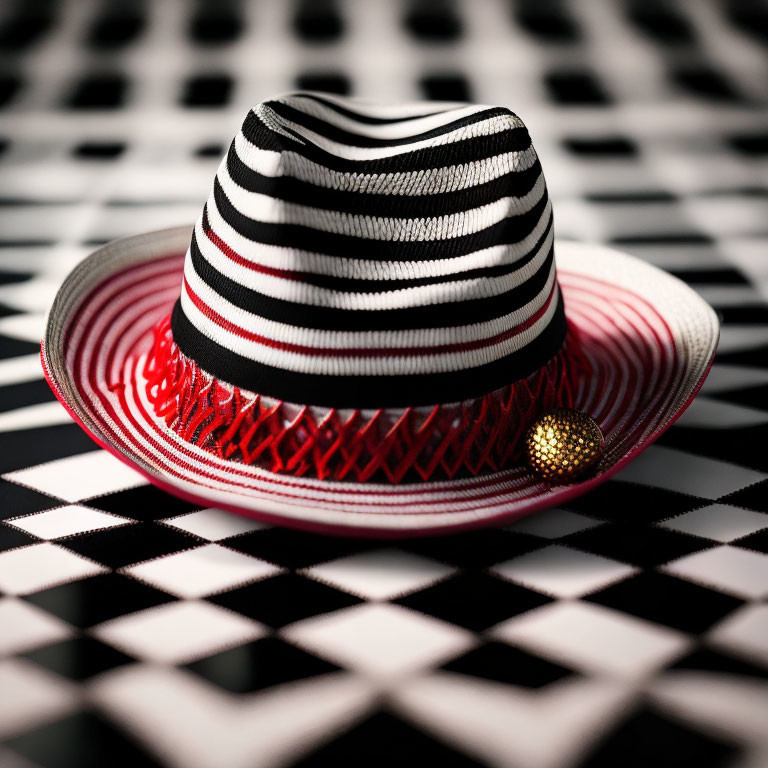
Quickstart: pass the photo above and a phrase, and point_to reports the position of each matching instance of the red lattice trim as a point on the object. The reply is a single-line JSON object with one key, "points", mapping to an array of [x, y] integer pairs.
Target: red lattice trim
{"points": [[388, 445]]}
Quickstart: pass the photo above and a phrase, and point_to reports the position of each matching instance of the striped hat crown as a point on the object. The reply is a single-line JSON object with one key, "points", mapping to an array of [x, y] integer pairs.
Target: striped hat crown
{"points": [[360, 256]]}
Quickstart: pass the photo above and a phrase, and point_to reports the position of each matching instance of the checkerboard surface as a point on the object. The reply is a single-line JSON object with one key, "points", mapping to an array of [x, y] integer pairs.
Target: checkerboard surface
{"points": [[629, 629]]}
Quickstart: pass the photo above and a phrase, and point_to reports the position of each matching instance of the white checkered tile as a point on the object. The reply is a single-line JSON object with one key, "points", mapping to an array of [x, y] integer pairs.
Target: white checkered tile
{"points": [[553, 524], [380, 639], [79, 477], [24, 626], [505, 726], [213, 524], [724, 704], [741, 572], [202, 726], [709, 413], [178, 632], [745, 631], [662, 467], [382, 574], [720, 522], [595, 639], [562, 571], [674, 470], [39, 566], [66, 521], [31, 696], [201, 571]]}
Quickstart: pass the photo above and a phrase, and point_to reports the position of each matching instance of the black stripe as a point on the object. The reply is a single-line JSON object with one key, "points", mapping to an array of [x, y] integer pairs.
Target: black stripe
{"points": [[512, 229], [342, 136], [290, 189], [381, 286], [366, 391], [354, 285], [359, 116], [441, 156], [445, 315]]}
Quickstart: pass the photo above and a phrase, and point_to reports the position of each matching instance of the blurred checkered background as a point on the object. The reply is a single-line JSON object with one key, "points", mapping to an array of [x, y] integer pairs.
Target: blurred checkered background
{"points": [[629, 629]]}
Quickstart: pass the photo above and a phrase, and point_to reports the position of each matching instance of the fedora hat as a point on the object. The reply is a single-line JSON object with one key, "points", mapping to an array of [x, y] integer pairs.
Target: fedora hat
{"points": [[371, 329]]}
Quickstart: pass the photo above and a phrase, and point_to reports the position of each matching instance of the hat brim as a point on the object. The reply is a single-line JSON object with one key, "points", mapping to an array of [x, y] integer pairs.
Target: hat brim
{"points": [[649, 340]]}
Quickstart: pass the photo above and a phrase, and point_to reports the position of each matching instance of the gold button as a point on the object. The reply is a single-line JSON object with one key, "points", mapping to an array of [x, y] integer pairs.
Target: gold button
{"points": [[563, 444]]}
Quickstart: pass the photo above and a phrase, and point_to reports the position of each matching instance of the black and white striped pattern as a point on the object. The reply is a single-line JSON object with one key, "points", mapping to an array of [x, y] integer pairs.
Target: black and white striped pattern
{"points": [[353, 255]]}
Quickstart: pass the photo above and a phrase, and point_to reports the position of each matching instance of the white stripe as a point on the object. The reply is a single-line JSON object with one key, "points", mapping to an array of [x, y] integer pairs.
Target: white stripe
{"points": [[386, 339], [487, 127], [444, 179], [264, 208], [386, 131], [368, 366], [368, 269], [393, 111], [416, 296]]}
